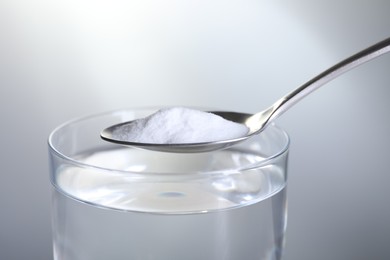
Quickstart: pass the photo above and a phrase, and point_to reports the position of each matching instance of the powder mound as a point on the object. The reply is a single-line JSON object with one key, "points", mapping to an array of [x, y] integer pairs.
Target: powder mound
{"points": [[177, 125]]}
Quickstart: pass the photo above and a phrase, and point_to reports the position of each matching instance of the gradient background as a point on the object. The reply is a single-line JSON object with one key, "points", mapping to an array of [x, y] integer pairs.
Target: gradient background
{"points": [[65, 59]]}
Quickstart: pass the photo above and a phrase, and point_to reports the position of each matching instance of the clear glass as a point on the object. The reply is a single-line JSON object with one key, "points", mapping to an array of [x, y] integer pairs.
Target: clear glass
{"points": [[116, 202]]}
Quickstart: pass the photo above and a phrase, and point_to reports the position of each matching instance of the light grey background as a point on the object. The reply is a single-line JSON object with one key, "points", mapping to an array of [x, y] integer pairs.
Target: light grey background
{"points": [[65, 59]]}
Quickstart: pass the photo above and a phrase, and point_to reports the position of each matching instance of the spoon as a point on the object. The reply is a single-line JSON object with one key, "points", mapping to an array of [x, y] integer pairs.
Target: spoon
{"points": [[259, 121]]}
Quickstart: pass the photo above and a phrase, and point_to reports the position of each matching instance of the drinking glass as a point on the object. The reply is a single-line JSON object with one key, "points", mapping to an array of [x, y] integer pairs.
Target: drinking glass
{"points": [[116, 202]]}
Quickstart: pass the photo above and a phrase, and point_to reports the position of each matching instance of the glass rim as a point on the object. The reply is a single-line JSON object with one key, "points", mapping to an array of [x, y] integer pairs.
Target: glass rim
{"points": [[74, 161]]}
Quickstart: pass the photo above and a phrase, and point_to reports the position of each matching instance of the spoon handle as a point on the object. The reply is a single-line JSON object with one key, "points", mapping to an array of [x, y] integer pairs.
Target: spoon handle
{"points": [[353, 61]]}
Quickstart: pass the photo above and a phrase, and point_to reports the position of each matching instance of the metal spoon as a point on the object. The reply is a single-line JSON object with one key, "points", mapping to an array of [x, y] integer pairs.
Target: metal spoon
{"points": [[259, 121]]}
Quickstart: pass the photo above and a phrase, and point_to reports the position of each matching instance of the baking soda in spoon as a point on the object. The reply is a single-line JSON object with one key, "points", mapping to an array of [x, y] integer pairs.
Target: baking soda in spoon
{"points": [[177, 125]]}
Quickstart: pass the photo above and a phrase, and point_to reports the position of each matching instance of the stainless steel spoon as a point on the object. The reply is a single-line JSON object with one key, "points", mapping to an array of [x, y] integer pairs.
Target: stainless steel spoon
{"points": [[259, 121]]}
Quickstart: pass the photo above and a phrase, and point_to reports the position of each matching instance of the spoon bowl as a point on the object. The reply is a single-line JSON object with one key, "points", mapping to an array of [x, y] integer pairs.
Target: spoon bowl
{"points": [[259, 121], [107, 135]]}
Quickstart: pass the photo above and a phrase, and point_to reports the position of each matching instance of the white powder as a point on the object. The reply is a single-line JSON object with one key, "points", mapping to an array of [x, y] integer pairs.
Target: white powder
{"points": [[180, 125]]}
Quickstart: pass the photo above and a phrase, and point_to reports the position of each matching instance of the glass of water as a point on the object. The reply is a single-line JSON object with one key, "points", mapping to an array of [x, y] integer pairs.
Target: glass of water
{"points": [[116, 202]]}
